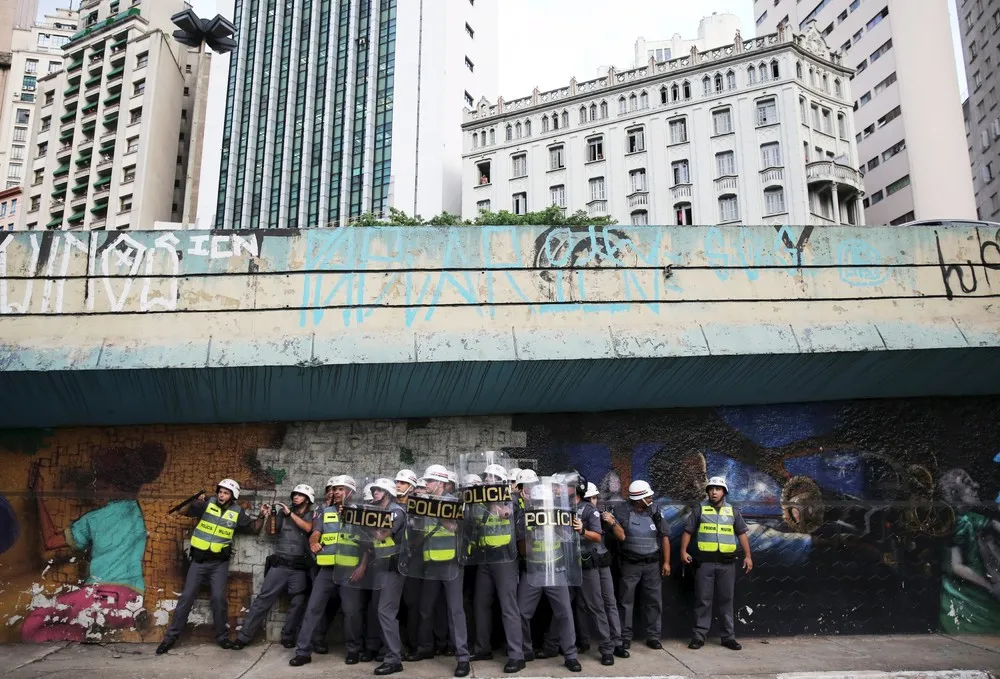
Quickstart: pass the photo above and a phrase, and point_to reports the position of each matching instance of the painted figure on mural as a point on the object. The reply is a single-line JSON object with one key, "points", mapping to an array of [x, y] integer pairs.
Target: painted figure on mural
{"points": [[114, 534], [970, 587]]}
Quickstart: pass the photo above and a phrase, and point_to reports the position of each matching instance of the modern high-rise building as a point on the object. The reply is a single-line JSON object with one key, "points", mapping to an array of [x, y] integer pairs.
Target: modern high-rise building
{"points": [[714, 30], [338, 108], [979, 24], [36, 53], [13, 14], [110, 142], [908, 114]]}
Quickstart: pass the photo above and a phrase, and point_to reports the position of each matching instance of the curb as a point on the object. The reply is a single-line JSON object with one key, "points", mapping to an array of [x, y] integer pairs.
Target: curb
{"points": [[937, 674]]}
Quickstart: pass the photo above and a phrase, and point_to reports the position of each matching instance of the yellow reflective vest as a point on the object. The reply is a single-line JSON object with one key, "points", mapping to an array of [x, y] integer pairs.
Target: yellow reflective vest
{"points": [[716, 534], [214, 532]]}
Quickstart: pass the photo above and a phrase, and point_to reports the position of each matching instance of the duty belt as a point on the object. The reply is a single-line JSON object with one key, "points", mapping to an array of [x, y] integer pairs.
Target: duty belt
{"points": [[629, 557]]}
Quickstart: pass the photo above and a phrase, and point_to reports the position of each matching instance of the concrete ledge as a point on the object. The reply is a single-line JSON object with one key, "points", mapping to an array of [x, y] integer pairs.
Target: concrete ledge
{"points": [[940, 674]]}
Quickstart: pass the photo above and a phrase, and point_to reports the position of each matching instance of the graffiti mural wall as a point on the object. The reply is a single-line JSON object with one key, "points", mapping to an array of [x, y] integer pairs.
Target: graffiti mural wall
{"points": [[866, 517]]}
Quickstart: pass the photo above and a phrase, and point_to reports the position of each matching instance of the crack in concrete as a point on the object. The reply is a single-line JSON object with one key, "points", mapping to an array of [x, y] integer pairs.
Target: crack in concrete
{"points": [[38, 659], [267, 647]]}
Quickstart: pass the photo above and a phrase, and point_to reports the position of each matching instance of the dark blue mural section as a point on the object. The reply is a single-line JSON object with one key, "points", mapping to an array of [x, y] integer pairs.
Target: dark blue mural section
{"points": [[865, 517]]}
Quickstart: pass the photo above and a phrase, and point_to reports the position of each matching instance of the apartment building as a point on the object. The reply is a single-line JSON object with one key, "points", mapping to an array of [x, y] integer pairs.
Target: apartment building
{"points": [[342, 107], [979, 25], [714, 30], [37, 52], [13, 14], [757, 131], [111, 139], [908, 115]]}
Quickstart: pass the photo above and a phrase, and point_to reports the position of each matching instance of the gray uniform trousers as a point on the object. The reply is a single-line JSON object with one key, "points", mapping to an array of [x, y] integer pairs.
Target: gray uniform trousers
{"points": [[278, 580], [610, 605], [455, 603], [502, 579], [388, 610], [648, 574], [411, 597], [322, 589], [373, 632], [215, 574], [590, 614], [528, 597], [713, 586], [354, 603]]}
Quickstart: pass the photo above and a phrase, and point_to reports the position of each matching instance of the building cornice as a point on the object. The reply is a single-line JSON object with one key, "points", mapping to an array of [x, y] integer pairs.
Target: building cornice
{"points": [[809, 44]]}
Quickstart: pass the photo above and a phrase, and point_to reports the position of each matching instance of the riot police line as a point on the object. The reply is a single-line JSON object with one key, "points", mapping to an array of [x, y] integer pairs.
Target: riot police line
{"points": [[372, 547]]}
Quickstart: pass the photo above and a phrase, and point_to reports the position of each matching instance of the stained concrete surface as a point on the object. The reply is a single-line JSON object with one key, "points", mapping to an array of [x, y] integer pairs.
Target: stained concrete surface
{"points": [[835, 656]]}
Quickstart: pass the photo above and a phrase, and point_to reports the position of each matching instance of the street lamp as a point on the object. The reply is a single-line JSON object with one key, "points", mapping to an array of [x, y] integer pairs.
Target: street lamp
{"points": [[194, 32]]}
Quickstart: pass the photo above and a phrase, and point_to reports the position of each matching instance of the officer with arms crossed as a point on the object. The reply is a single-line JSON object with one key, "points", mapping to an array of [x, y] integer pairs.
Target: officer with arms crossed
{"points": [[588, 524], [211, 547], [717, 526], [386, 554], [287, 569], [645, 557], [324, 544]]}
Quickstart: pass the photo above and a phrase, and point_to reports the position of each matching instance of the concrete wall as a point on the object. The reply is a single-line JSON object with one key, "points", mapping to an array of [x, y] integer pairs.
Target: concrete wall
{"points": [[890, 494]]}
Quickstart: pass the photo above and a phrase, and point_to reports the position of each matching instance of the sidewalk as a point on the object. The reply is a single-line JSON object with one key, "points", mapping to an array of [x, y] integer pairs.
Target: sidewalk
{"points": [[903, 657]]}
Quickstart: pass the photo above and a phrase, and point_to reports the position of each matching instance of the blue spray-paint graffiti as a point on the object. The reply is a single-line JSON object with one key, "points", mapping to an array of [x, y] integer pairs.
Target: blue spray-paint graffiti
{"points": [[859, 264]]}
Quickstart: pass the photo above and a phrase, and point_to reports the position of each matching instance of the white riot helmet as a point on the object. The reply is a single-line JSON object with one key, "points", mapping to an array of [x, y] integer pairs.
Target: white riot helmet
{"points": [[367, 496], [472, 479], [385, 484], [719, 481], [453, 478], [639, 490], [591, 491], [526, 476], [343, 480], [512, 474], [231, 486], [540, 491], [497, 471], [436, 472], [307, 490], [407, 476]]}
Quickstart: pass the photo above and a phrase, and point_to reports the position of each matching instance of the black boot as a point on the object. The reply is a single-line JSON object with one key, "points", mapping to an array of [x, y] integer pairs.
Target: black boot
{"points": [[164, 647], [386, 668], [732, 645], [300, 660], [463, 669], [513, 666], [352, 659], [238, 645], [367, 656], [226, 644], [481, 656], [622, 652], [654, 644], [607, 659], [696, 644], [573, 665]]}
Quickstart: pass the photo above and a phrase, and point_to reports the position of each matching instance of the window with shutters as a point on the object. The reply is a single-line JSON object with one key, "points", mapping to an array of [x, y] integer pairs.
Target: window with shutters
{"points": [[640, 218], [678, 131], [681, 172], [557, 157], [597, 188], [722, 121], [558, 195], [520, 202], [637, 180], [725, 164], [770, 155], [774, 201], [729, 209], [595, 149], [519, 165], [635, 140], [767, 112]]}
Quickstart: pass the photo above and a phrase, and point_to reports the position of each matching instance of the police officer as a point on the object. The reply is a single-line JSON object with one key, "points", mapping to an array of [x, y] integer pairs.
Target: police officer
{"points": [[440, 550], [362, 636], [286, 570], [406, 484], [528, 594], [645, 558], [588, 525], [386, 551], [324, 544], [319, 643], [607, 583], [718, 526], [501, 577], [211, 547]]}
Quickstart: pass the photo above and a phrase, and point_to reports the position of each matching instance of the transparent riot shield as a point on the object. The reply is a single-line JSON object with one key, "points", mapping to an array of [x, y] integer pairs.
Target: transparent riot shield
{"points": [[552, 547], [487, 532], [430, 548], [365, 522]]}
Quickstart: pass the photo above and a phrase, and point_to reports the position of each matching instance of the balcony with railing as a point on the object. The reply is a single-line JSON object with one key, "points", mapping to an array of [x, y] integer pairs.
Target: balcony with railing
{"points": [[772, 175], [726, 184], [638, 199], [679, 191], [597, 207], [831, 171]]}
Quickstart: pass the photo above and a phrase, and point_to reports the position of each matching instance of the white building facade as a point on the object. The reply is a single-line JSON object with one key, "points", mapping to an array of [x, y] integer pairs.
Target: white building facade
{"points": [[37, 53], [338, 108], [731, 135], [714, 30], [908, 119]]}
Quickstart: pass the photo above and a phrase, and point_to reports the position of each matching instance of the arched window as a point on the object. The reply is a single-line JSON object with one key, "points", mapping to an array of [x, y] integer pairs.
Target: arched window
{"points": [[706, 85], [517, 130], [527, 128], [675, 92], [555, 121], [730, 81], [632, 102], [751, 75], [622, 106], [763, 73], [565, 119], [593, 111], [484, 137], [718, 82], [812, 77], [798, 70], [644, 100], [493, 136], [545, 123], [475, 140], [775, 72], [826, 83], [604, 110], [583, 115], [687, 90], [664, 95], [837, 88], [510, 133]]}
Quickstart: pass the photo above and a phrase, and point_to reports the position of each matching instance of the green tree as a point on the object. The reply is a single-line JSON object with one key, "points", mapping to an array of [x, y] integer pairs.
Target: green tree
{"points": [[550, 216]]}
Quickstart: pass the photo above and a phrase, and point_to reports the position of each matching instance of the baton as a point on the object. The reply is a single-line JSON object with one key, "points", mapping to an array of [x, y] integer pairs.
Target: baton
{"points": [[186, 502]]}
